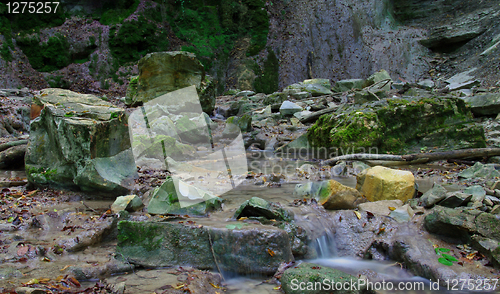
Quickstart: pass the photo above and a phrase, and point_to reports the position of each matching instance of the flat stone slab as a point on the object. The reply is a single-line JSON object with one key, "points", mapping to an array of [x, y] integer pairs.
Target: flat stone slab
{"points": [[238, 248]]}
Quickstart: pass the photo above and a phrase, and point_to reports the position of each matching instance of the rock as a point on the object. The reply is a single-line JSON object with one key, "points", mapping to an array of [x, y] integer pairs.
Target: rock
{"points": [[359, 166], [401, 214], [364, 96], [289, 108], [317, 87], [458, 31], [16, 112], [433, 195], [339, 169], [242, 250], [455, 199], [79, 141], [13, 157], [462, 223], [462, 77], [484, 104], [427, 84], [175, 196], [28, 290], [243, 124], [302, 114], [300, 95], [399, 126], [479, 170], [333, 195], [164, 72], [380, 207], [258, 207], [245, 93], [379, 80], [477, 193], [463, 86], [381, 183], [305, 277], [129, 203], [346, 85], [297, 146], [493, 199], [488, 247]]}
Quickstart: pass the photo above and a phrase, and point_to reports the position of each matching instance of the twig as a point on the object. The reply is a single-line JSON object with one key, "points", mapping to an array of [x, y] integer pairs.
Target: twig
{"points": [[213, 254], [95, 211]]}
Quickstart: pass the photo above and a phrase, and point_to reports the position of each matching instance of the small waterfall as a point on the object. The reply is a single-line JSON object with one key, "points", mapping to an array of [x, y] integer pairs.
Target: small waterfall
{"points": [[325, 246]]}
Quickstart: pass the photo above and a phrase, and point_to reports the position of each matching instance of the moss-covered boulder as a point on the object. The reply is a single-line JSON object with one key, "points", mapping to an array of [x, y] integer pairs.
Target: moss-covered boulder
{"points": [[249, 249], [312, 278], [399, 125], [79, 142], [164, 72]]}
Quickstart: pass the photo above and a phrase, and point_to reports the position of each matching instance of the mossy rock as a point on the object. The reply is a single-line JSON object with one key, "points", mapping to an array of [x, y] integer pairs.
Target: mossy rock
{"points": [[399, 125], [312, 278]]}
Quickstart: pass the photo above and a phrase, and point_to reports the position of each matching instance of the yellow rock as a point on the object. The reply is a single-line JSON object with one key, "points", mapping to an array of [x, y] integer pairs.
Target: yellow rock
{"points": [[382, 183], [334, 195]]}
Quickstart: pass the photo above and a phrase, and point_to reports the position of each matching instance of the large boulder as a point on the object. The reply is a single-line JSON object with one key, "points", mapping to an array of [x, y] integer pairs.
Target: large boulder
{"points": [[163, 72], [382, 183], [243, 249], [400, 126], [79, 142]]}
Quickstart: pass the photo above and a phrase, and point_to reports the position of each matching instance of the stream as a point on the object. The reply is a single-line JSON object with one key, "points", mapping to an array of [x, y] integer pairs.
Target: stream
{"points": [[317, 221]]}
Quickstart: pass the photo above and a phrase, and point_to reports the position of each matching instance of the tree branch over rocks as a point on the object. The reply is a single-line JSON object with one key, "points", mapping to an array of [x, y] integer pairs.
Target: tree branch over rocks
{"points": [[420, 157]]}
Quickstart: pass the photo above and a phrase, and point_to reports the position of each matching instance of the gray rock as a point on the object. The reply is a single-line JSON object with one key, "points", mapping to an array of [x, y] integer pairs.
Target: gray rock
{"points": [[462, 86], [477, 193], [346, 85], [236, 247], [462, 77], [301, 95], [380, 80], [479, 170], [401, 214], [258, 207], [380, 207], [166, 200], [359, 166], [302, 114], [339, 169], [89, 145], [428, 84], [129, 203], [245, 93], [484, 104], [462, 223], [288, 108], [488, 247], [455, 199], [433, 196]]}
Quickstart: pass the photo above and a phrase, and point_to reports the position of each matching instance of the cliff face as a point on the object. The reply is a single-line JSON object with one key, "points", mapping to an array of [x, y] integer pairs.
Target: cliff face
{"points": [[344, 39], [334, 39]]}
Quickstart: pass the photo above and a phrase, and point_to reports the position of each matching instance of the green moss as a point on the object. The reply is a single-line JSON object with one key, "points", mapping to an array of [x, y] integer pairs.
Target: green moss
{"points": [[134, 39], [5, 52], [117, 11], [48, 56], [269, 80], [398, 125], [139, 234]]}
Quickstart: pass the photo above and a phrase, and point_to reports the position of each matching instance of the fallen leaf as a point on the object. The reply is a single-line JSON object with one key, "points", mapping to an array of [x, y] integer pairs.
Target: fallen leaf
{"points": [[23, 250], [392, 208], [243, 218], [32, 282], [358, 215], [380, 230], [215, 286], [270, 252], [179, 286]]}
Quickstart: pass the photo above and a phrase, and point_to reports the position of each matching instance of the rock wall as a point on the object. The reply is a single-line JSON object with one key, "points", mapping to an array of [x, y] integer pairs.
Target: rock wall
{"points": [[347, 39]]}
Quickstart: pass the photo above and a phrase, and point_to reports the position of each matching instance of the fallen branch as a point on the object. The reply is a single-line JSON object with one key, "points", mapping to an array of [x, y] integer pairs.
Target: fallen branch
{"points": [[315, 115], [419, 157]]}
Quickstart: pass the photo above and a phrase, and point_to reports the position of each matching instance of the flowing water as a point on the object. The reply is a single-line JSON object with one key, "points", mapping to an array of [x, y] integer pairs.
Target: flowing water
{"points": [[315, 220]]}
